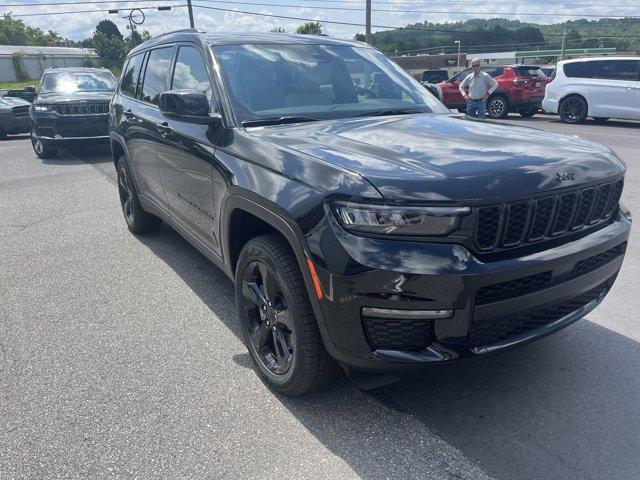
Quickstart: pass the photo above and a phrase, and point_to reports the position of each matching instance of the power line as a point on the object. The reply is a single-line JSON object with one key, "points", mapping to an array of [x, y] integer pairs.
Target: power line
{"points": [[100, 2], [353, 24], [81, 11]]}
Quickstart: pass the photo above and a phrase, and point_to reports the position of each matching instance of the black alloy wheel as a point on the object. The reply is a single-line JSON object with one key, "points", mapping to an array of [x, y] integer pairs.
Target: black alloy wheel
{"points": [[138, 221], [125, 190], [573, 109], [268, 318], [41, 149], [497, 107], [277, 321]]}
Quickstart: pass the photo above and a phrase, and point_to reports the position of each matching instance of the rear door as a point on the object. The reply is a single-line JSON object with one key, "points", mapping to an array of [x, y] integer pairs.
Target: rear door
{"points": [[144, 120], [186, 159], [613, 87]]}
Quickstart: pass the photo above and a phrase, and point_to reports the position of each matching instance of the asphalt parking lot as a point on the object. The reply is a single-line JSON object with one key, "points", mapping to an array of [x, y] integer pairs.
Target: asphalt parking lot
{"points": [[121, 357]]}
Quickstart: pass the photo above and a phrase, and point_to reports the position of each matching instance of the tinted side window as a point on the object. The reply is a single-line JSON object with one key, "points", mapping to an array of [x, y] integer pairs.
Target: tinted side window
{"points": [[190, 72], [493, 71], [460, 76], [529, 72], [580, 69], [156, 74], [617, 69], [130, 76]]}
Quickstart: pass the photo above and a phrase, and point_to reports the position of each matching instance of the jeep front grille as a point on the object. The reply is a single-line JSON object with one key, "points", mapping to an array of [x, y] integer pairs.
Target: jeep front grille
{"points": [[510, 225], [68, 109]]}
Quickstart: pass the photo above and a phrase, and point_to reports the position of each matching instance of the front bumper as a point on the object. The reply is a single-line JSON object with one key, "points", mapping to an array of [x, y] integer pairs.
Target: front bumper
{"points": [[13, 125], [550, 105], [496, 305], [53, 128]]}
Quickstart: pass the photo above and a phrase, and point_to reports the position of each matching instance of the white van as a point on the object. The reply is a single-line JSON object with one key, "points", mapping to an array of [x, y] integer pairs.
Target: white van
{"points": [[598, 87]]}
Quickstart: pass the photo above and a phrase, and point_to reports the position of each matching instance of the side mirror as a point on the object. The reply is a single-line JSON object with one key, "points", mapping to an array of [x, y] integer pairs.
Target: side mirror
{"points": [[189, 105]]}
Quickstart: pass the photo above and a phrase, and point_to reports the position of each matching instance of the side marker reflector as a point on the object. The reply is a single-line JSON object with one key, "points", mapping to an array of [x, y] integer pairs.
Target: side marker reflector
{"points": [[316, 281]]}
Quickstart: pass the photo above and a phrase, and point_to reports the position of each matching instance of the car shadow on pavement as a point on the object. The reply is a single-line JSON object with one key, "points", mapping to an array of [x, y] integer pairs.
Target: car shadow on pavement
{"points": [[564, 407], [517, 119]]}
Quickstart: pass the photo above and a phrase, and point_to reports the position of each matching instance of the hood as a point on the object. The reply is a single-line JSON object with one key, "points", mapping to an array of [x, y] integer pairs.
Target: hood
{"points": [[75, 97], [429, 157]]}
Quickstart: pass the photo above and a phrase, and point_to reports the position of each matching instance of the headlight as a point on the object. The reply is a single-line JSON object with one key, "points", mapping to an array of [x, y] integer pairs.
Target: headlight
{"points": [[43, 108], [412, 221]]}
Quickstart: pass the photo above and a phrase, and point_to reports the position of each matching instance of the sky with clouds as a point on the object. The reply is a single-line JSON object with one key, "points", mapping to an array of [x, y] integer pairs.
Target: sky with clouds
{"points": [[396, 13]]}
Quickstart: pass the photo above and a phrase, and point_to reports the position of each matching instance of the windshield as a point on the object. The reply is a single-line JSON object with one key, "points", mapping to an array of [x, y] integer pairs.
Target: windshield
{"points": [[318, 82], [69, 82]]}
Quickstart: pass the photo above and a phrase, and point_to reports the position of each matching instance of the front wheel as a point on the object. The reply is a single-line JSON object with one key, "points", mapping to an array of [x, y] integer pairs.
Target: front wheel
{"points": [[528, 113], [573, 109], [277, 321], [41, 149], [498, 107]]}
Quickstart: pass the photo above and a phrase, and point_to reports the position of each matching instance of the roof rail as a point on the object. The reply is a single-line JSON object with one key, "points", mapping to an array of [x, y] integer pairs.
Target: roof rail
{"points": [[184, 30]]}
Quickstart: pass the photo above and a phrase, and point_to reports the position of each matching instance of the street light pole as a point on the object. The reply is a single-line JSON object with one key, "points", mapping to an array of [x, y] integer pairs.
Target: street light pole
{"points": [[458, 42], [564, 36], [367, 31], [190, 9]]}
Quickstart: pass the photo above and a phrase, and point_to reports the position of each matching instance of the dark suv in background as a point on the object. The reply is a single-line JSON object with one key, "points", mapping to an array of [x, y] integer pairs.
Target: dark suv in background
{"points": [[520, 89], [360, 221], [72, 105]]}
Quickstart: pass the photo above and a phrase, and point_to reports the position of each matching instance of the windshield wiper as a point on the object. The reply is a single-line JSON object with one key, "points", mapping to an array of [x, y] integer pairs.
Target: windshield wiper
{"points": [[278, 121], [391, 111]]}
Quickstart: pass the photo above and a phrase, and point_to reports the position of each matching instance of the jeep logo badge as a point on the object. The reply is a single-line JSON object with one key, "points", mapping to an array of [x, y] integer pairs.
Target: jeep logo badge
{"points": [[561, 177]]}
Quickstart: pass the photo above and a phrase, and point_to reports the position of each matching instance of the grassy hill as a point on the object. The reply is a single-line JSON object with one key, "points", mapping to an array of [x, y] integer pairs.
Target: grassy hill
{"points": [[499, 34]]}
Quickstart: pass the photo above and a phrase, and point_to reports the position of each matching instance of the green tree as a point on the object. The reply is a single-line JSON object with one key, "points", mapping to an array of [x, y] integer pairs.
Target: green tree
{"points": [[310, 28], [111, 50], [109, 28]]}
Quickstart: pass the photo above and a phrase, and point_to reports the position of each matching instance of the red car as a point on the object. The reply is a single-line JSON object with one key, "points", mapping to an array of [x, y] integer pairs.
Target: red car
{"points": [[520, 89]]}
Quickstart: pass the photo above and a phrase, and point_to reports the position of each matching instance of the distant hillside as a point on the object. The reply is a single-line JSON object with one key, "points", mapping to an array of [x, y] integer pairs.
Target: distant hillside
{"points": [[499, 34]]}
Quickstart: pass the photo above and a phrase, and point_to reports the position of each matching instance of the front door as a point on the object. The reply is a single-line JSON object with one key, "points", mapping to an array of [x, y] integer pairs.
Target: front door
{"points": [[186, 154]]}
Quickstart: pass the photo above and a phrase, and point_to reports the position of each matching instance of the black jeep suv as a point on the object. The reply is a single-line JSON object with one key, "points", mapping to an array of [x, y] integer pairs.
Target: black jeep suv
{"points": [[72, 105], [362, 223]]}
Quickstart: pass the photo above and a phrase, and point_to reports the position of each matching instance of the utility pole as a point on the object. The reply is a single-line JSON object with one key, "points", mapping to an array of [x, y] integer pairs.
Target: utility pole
{"points": [[459, 43], [190, 8], [564, 36], [367, 32]]}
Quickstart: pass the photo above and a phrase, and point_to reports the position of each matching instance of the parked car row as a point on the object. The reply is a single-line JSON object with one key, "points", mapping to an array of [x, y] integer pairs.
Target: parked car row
{"points": [[601, 88]]}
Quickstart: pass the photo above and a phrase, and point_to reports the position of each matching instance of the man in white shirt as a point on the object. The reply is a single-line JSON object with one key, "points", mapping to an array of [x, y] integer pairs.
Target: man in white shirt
{"points": [[480, 85]]}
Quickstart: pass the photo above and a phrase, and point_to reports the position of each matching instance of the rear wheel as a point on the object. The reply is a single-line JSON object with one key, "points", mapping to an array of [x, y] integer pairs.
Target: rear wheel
{"points": [[138, 221], [573, 109], [41, 149], [498, 107], [528, 113], [277, 321]]}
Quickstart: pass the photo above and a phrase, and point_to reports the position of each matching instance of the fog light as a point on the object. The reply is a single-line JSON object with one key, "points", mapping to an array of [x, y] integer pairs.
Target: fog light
{"points": [[414, 314]]}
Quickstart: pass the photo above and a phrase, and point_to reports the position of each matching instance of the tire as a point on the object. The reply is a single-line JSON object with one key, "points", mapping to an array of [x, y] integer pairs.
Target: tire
{"points": [[3, 134], [497, 107], [41, 149], [528, 113], [600, 119], [462, 110], [573, 109], [138, 221], [277, 321]]}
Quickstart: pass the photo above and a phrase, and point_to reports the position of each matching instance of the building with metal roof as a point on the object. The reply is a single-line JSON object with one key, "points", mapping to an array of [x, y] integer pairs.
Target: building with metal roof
{"points": [[35, 59]]}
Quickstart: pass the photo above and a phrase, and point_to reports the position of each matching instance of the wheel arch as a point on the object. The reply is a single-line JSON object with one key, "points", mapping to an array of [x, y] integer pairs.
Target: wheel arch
{"points": [[241, 206]]}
